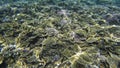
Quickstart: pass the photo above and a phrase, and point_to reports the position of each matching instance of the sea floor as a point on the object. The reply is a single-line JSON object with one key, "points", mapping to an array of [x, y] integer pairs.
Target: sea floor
{"points": [[60, 34]]}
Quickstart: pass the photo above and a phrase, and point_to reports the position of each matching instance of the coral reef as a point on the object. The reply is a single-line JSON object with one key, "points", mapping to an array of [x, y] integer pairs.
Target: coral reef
{"points": [[60, 34]]}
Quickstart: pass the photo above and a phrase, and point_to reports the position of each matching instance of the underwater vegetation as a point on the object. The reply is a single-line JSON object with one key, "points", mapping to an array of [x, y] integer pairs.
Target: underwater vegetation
{"points": [[60, 34]]}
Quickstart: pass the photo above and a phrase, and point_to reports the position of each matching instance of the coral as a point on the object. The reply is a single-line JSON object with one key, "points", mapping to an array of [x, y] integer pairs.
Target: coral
{"points": [[113, 19], [60, 34]]}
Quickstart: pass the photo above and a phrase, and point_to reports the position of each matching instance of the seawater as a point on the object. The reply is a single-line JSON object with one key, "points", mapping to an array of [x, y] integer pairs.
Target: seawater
{"points": [[59, 33]]}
